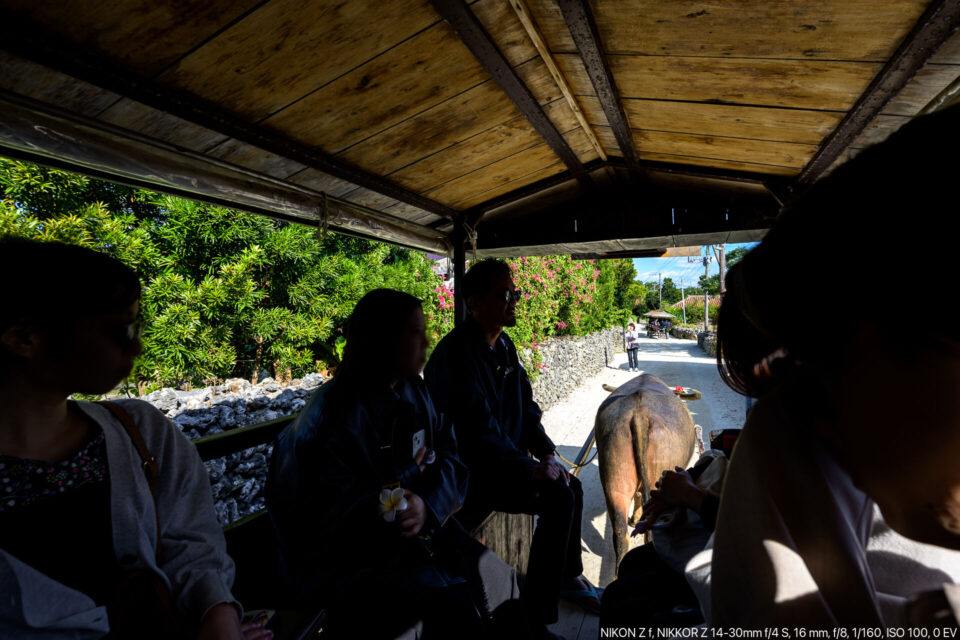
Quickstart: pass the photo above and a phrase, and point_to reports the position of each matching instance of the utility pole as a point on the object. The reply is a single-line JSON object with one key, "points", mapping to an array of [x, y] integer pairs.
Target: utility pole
{"points": [[706, 258], [706, 295], [683, 301], [722, 261], [660, 288]]}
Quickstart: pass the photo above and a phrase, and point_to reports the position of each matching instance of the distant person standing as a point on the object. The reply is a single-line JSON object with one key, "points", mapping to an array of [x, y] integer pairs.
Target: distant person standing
{"points": [[633, 347], [667, 325]]}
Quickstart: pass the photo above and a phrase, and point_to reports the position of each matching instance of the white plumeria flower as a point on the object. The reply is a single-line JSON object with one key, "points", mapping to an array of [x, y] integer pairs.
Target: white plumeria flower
{"points": [[391, 503]]}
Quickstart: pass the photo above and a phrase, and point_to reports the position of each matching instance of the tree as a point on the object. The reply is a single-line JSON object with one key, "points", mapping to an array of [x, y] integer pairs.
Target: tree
{"points": [[226, 293], [671, 292], [712, 284], [651, 301]]}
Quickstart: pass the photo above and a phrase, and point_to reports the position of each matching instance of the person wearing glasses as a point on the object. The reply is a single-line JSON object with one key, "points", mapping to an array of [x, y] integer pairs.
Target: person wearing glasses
{"points": [[474, 375]]}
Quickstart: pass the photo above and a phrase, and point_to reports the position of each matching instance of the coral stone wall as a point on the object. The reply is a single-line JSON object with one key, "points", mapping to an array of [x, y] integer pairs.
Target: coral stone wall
{"points": [[238, 480]]}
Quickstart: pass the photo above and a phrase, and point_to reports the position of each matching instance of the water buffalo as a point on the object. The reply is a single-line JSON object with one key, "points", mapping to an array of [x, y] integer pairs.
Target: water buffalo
{"points": [[642, 429]]}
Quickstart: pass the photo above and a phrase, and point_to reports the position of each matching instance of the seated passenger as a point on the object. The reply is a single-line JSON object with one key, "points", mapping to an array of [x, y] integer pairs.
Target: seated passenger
{"points": [[475, 376], [362, 487], [96, 535], [650, 589], [845, 419]]}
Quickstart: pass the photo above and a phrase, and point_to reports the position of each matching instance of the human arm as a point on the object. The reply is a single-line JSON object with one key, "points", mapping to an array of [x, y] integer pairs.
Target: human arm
{"points": [[443, 483], [192, 547], [221, 623], [789, 549], [678, 489], [458, 391]]}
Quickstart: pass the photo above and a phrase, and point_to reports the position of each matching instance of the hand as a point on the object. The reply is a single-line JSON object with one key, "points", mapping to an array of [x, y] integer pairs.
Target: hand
{"points": [[652, 510], [222, 622], [676, 488], [253, 631], [413, 517], [551, 469], [419, 458]]}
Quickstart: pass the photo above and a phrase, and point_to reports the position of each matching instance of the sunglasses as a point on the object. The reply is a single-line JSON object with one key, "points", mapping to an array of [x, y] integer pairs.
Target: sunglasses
{"points": [[509, 296]]}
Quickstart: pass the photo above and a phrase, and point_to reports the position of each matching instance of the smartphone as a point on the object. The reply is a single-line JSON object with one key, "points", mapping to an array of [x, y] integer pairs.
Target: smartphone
{"points": [[419, 440], [260, 616]]}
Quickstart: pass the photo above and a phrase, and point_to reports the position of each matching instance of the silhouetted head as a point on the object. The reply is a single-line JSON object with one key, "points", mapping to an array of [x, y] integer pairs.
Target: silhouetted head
{"points": [[883, 396], [386, 339], [490, 293], [69, 317]]}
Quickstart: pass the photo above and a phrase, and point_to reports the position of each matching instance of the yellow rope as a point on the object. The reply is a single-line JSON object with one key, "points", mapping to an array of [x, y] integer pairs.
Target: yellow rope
{"points": [[574, 464]]}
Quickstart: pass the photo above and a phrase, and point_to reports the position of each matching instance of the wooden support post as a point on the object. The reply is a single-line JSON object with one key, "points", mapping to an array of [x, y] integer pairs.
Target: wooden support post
{"points": [[459, 238], [508, 535]]}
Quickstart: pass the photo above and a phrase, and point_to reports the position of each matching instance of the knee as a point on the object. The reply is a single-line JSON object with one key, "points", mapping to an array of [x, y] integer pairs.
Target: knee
{"points": [[561, 498]]}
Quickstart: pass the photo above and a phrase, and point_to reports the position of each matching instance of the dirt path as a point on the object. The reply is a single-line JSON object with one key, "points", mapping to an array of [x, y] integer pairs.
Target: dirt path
{"points": [[676, 362]]}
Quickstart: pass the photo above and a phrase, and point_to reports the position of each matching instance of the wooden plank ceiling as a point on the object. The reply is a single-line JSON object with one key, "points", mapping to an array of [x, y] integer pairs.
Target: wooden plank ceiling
{"points": [[390, 90]]}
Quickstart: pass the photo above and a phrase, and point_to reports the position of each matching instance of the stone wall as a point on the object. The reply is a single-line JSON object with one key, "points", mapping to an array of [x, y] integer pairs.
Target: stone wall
{"points": [[569, 360], [707, 340], [238, 480], [685, 333]]}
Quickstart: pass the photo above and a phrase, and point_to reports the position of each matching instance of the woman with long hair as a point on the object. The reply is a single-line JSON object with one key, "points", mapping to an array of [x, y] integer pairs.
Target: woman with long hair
{"points": [[362, 487]]}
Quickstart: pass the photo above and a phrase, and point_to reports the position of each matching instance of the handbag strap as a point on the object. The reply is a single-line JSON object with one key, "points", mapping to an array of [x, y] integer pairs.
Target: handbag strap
{"points": [[151, 469]]}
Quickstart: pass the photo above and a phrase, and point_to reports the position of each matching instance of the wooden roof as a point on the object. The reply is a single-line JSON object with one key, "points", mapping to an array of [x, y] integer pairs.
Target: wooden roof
{"points": [[542, 125]]}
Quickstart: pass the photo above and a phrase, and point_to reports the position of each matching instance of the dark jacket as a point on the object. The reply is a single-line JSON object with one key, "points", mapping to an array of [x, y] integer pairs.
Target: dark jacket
{"points": [[487, 394], [329, 467]]}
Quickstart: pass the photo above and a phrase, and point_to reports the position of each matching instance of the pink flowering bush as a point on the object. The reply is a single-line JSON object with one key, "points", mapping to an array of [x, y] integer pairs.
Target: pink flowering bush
{"points": [[559, 296]]}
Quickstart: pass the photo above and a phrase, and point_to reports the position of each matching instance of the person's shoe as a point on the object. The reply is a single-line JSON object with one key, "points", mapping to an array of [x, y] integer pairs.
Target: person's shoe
{"points": [[582, 593]]}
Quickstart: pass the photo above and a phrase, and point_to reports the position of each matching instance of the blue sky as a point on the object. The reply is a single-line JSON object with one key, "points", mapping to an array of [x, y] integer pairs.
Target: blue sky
{"points": [[676, 268]]}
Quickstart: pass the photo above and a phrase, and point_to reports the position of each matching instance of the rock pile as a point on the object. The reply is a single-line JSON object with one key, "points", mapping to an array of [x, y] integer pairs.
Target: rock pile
{"points": [[237, 480]]}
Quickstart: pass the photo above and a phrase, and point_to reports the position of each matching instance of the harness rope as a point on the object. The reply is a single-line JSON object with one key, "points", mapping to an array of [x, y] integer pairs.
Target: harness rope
{"points": [[574, 464]]}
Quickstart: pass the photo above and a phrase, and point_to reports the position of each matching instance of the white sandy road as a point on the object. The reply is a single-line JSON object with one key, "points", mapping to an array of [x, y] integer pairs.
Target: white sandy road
{"points": [[676, 362]]}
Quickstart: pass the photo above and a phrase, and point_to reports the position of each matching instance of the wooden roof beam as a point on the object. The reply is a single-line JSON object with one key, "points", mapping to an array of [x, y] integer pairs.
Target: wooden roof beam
{"points": [[533, 32], [938, 22], [773, 184], [468, 28], [28, 42], [35, 131], [615, 221], [474, 214], [583, 28]]}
